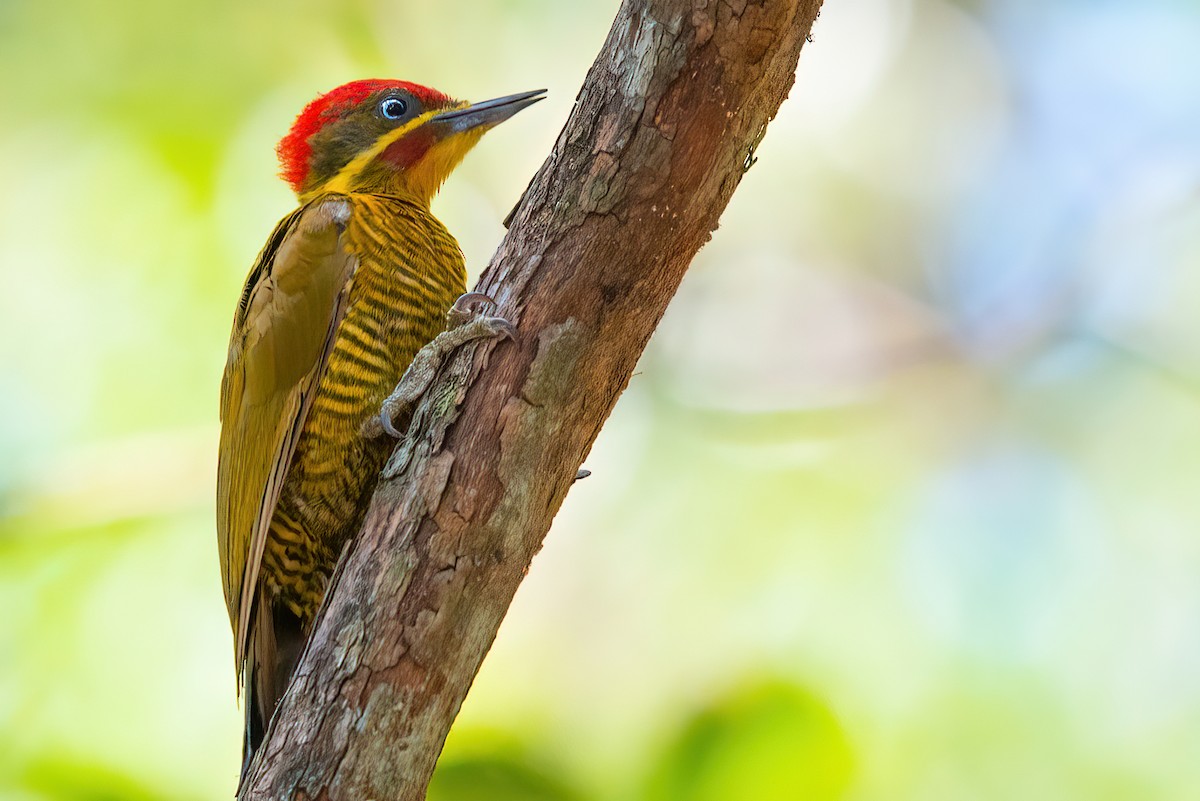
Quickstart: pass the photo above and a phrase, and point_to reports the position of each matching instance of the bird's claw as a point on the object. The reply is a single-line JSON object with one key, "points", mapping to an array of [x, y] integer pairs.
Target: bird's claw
{"points": [[468, 306], [462, 306], [469, 310], [493, 327], [386, 413], [465, 322]]}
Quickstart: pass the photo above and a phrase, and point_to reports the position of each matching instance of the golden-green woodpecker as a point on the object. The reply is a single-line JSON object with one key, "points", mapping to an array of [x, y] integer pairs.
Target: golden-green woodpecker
{"points": [[348, 288]]}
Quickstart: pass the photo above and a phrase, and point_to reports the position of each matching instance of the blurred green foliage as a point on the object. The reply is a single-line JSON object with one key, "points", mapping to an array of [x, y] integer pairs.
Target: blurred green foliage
{"points": [[769, 742], [917, 439], [57, 776], [486, 767]]}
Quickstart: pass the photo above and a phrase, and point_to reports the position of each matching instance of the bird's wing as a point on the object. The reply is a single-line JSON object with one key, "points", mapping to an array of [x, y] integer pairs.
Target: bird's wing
{"points": [[293, 301]]}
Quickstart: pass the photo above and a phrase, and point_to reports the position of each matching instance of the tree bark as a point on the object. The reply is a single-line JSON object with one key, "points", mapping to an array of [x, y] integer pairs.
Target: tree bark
{"points": [[661, 134]]}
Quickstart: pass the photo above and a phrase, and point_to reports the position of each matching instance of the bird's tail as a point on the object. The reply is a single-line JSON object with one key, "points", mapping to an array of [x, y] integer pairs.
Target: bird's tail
{"points": [[275, 642]]}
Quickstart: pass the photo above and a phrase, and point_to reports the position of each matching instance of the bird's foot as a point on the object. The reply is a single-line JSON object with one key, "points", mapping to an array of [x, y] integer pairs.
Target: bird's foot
{"points": [[466, 321]]}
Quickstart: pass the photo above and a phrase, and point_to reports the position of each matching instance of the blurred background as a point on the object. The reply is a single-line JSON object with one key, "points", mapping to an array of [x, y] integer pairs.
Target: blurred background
{"points": [[902, 503]]}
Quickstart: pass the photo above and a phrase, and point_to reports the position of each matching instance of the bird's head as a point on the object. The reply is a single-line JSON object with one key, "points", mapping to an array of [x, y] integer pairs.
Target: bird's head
{"points": [[386, 136]]}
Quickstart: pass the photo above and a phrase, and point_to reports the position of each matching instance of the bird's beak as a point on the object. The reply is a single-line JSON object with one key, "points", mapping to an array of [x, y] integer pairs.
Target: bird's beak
{"points": [[487, 114], [425, 151]]}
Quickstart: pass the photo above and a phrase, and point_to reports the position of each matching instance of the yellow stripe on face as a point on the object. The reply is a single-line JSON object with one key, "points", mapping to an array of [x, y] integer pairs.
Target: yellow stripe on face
{"points": [[346, 181]]}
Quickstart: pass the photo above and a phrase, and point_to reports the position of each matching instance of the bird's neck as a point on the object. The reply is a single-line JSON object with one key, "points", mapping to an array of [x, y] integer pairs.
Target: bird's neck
{"points": [[370, 181]]}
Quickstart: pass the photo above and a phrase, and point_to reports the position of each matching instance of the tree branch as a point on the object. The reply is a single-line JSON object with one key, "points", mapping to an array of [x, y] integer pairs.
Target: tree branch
{"points": [[661, 133]]}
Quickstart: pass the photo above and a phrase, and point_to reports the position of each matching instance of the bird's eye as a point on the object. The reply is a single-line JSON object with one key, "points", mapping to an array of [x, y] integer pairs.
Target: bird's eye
{"points": [[392, 108]]}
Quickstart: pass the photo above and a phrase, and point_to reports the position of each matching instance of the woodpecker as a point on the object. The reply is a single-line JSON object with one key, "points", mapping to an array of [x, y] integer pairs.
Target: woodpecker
{"points": [[347, 290]]}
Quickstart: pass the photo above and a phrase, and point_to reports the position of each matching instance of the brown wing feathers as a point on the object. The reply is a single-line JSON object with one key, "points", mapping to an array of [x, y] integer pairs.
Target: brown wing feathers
{"points": [[293, 302]]}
